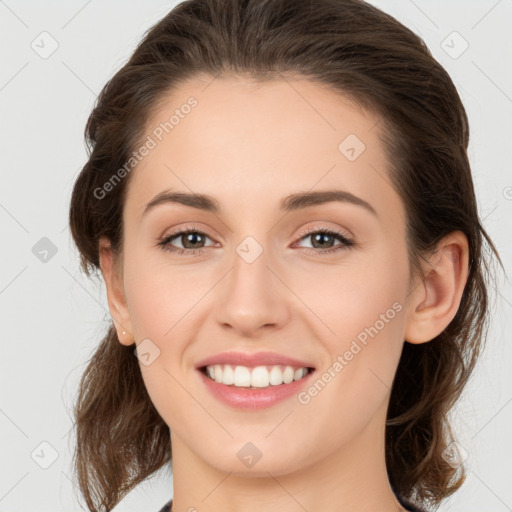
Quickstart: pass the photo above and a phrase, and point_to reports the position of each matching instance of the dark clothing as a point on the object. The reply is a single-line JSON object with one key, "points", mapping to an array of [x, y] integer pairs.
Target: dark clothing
{"points": [[405, 503], [166, 507]]}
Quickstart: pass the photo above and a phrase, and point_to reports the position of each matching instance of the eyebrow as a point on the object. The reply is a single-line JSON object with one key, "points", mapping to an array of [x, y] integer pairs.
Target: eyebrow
{"points": [[290, 203]]}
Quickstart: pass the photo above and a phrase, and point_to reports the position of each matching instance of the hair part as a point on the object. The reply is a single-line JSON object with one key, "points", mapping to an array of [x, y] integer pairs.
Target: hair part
{"points": [[369, 57]]}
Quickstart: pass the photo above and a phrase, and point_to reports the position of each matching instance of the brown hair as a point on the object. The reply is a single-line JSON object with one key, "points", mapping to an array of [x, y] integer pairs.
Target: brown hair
{"points": [[365, 54]]}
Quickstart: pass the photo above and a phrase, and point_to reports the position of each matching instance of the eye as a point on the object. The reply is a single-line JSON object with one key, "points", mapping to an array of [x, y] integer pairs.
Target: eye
{"points": [[322, 240], [192, 241]]}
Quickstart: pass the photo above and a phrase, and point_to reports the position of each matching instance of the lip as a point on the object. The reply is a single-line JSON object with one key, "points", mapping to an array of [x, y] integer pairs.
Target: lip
{"points": [[253, 359], [254, 398]]}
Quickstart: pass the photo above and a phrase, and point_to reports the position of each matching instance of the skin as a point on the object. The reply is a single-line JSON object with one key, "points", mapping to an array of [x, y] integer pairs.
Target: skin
{"points": [[250, 146]]}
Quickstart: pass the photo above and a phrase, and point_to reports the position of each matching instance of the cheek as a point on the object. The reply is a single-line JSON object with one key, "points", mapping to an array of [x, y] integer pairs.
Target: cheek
{"points": [[162, 302], [362, 316], [159, 295], [351, 296]]}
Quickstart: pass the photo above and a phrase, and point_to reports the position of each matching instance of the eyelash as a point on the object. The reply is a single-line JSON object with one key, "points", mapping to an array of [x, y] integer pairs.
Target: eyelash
{"points": [[346, 243]]}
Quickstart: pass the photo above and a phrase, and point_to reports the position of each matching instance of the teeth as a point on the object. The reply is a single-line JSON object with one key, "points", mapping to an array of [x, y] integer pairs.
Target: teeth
{"points": [[228, 375], [242, 376], [260, 377], [257, 377]]}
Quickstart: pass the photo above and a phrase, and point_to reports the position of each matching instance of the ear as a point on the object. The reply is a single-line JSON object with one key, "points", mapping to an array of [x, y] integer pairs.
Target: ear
{"points": [[435, 300], [115, 293]]}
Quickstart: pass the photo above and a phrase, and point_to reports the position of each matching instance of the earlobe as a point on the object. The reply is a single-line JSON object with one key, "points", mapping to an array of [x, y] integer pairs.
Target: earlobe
{"points": [[435, 301], [115, 293]]}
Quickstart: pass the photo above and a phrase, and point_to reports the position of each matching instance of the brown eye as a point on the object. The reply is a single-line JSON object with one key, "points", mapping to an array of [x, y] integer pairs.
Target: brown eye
{"points": [[323, 241], [191, 240]]}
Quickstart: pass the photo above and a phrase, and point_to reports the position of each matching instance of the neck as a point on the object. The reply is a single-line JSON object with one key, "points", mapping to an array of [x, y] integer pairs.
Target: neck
{"points": [[353, 478]]}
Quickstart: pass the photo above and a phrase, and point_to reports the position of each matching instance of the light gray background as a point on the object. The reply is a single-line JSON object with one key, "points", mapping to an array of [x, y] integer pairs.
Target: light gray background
{"points": [[52, 316]]}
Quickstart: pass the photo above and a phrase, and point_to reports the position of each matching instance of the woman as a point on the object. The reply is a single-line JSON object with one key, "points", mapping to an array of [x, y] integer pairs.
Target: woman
{"points": [[279, 199]]}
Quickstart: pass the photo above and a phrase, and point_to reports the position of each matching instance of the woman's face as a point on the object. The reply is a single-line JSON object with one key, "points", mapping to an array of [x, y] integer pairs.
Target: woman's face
{"points": [[261, 276]]}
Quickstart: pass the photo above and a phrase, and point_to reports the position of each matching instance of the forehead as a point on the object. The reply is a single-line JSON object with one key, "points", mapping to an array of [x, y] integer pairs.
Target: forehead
{"points": [[250, 144]]}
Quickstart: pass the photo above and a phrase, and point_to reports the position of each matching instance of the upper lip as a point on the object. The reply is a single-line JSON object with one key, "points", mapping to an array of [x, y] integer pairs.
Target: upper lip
{"points": [[253, 359]]}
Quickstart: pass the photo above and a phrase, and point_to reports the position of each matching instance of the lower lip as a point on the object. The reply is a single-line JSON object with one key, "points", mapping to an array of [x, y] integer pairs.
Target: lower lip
{"points": [[257, 398]]}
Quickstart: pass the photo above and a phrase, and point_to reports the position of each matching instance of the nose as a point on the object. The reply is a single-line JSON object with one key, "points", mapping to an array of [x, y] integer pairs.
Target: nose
{"points": [[252, 299]]}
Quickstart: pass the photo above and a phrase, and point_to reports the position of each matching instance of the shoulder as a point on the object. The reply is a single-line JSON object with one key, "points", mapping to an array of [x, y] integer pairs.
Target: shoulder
{"points": [[166, 507]]}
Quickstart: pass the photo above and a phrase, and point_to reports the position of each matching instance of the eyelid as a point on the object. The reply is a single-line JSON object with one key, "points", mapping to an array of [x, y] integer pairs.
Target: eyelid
{"points": [[313, 229], [303, 233], [187, 227]]}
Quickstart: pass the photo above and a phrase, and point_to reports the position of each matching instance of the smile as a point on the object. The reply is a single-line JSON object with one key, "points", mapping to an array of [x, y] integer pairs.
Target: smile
{"points": [[234, 385], [257, 377]]}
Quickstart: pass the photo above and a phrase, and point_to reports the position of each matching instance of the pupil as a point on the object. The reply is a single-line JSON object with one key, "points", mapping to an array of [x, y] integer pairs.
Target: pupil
{"points": [[190, 237], [320, 236]]}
